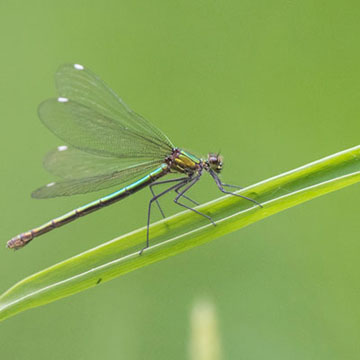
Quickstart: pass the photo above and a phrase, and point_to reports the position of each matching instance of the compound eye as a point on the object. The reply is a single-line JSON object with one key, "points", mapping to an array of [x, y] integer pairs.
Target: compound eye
{"points": [[212, 159]]}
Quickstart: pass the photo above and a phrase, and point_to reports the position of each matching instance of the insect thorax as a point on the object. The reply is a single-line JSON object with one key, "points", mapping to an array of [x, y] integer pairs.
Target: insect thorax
{"points": [[184, 162]]}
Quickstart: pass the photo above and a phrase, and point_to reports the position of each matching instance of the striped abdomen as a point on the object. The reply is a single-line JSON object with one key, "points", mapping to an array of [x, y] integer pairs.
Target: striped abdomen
{"points": [[23, 239]]}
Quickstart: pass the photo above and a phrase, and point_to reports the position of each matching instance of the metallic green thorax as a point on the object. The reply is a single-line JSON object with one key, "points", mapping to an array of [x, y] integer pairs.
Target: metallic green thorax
{"points": [[184, 162]]}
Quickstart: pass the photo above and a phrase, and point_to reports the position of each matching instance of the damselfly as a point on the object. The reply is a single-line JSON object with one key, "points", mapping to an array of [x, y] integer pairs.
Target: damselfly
{"points": [[109, 144]]}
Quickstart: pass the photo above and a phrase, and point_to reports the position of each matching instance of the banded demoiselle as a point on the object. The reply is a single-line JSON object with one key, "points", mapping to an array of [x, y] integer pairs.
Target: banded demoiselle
{"points": [[109, 144]]}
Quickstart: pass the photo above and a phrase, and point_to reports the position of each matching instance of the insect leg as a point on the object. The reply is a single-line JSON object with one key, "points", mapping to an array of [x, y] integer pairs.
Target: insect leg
{"points": [[181, 194], [159, 183], [173, 187], [221, 188], [232, 186], [186, 197]]}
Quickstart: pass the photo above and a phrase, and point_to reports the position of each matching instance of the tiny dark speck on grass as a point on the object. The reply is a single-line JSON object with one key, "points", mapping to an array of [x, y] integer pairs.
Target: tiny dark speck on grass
{"points": [[99, 281]]}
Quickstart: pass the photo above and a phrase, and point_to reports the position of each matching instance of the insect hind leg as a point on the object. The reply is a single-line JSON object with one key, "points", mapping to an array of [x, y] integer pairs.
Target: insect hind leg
{"points": [[182, 181]]}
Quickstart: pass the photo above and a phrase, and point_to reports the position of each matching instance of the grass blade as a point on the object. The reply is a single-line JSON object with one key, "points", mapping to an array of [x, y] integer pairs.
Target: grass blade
{"points": [[181, 232]]}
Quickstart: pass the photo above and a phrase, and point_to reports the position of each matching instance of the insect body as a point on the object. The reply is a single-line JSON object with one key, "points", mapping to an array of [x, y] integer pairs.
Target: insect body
{"points": [[109, 144]]}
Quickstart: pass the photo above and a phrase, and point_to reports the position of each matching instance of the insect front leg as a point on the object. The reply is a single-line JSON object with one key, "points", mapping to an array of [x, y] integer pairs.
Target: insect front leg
{"points": [[220, 185]]}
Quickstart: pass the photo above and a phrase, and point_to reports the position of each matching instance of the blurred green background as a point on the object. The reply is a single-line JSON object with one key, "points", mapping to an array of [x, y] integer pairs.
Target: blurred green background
{"points": [[273, 85]]}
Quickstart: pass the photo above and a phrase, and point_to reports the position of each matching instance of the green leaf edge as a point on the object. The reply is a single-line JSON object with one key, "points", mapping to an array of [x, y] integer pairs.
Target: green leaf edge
{"points": [[181, 232]]}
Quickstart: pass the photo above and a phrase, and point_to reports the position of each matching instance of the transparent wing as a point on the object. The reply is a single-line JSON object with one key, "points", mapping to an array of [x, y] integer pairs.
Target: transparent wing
{"points": [[69, 163], [79, 85], [109, 143], [93, 183], [88, 130]]}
